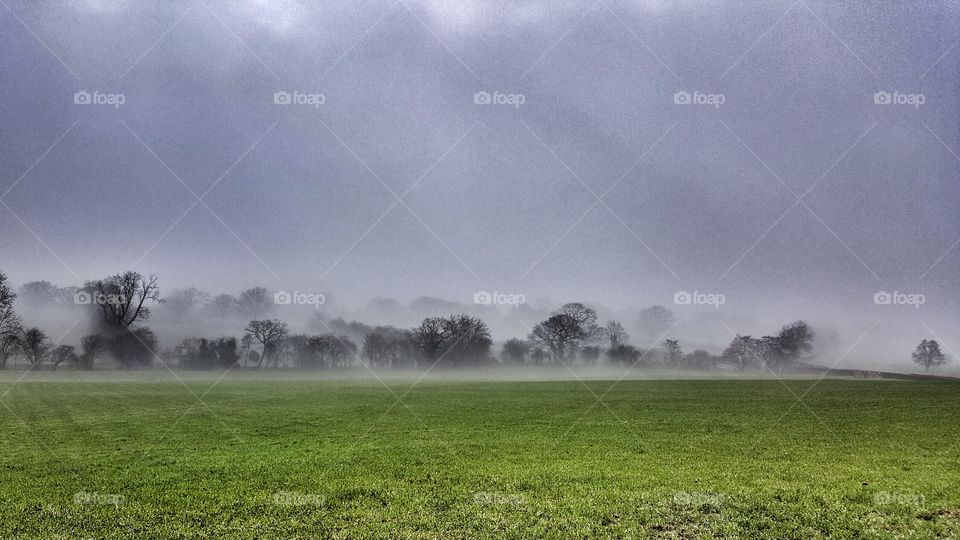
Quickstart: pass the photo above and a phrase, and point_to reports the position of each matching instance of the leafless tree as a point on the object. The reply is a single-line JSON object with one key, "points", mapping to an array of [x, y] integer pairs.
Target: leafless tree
{"points": [[559, 334], [615, 333], [255, 302], [743, 350], [35, 346], [672, 353], [270, 334], [123, 297]]}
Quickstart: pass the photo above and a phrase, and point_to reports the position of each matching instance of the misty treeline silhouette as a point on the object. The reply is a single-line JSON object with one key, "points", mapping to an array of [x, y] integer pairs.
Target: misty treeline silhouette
{"points": [[120, 304]]}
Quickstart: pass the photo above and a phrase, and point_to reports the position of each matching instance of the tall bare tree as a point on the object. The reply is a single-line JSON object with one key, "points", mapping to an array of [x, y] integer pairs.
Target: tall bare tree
{"points": [[123, 297], [270, 334]]}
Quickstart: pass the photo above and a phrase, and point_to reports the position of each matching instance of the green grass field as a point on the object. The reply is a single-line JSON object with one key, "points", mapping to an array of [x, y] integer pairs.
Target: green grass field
{"points": [[136, 456]]}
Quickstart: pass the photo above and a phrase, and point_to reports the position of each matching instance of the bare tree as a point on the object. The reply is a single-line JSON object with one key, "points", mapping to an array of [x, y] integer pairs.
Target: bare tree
{"points": [[9, 321], [183, 304], [654, 322], [672, 353], [587, 319], [35, 346], [515, 351], [123, 297], [795, 339], [255, 302], [9, 344], [928, 354], [559, 334], [64, 354], [222, 307], [270, 334], [92, 347], [429, 337], [615, 333], [742, 350]]}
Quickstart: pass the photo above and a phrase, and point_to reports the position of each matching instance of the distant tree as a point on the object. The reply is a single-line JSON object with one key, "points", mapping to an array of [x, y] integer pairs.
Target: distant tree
{"points": [[227, 355], [35, 346], [672, 353], [246, 342], [9, 321], [654, 322], [560, 335], [270, 334], [123, 298], [184, 304], [9, 344], [466, 342], [624, 355], [389, 347], [590, 354], [928, 354], [429, 337], [222, 307], [134, 348], [743, 350], [255, 303], [615, 333], [795, 339], [39, 295], [538, 356], [92, 346], [771, 352], [515, 351], [586, 318], [699, 359], [64, 354], [333, 351]]}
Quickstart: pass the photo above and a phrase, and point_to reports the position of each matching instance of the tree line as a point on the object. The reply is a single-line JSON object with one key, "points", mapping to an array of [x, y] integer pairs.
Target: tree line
{"points": [[120, 305]]}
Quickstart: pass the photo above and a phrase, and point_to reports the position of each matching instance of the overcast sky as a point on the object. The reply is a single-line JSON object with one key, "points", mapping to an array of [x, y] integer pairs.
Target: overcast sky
{"points": [[780, 179]]}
